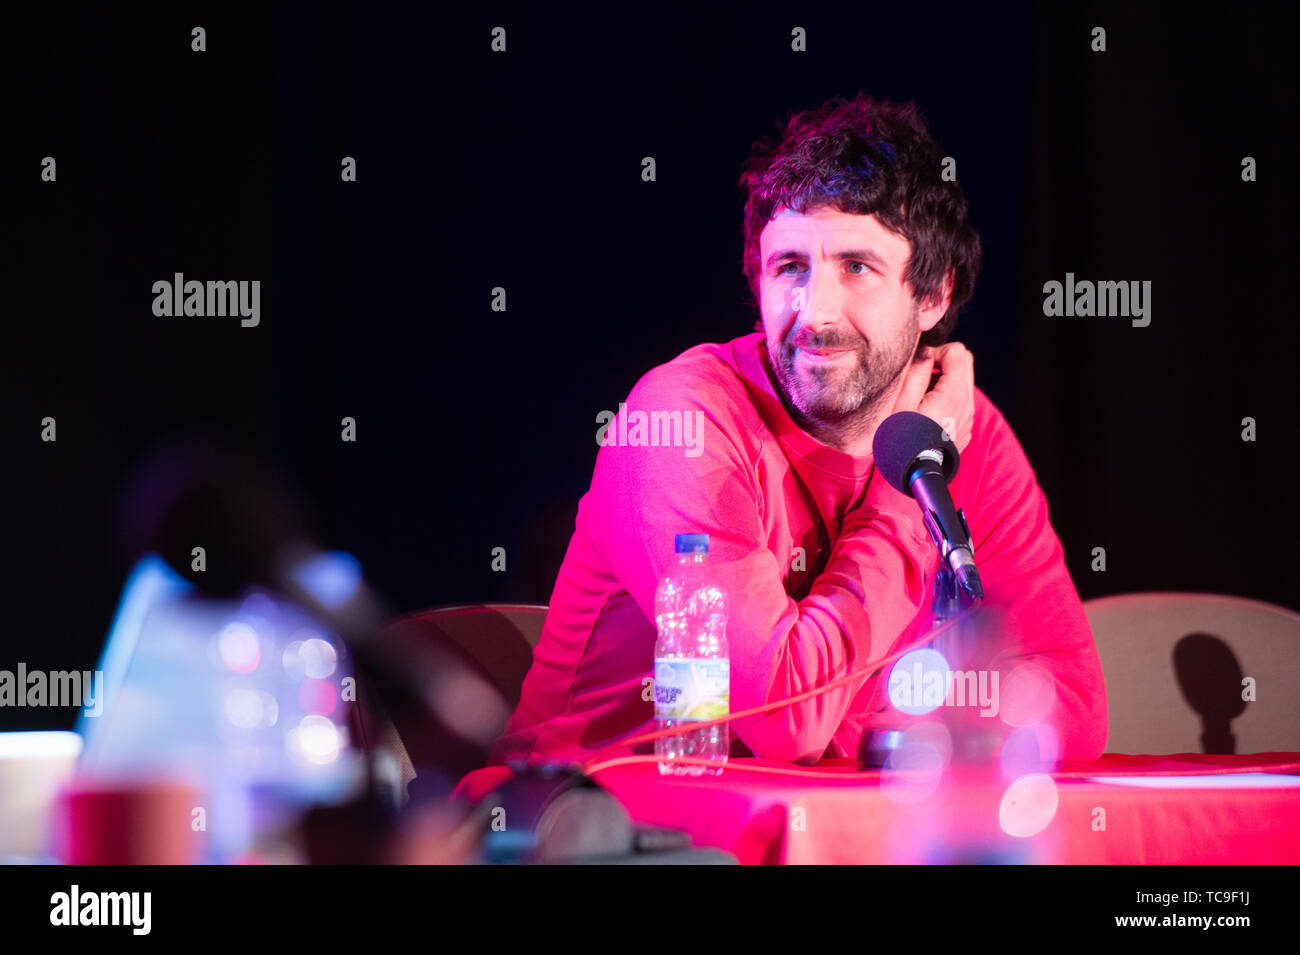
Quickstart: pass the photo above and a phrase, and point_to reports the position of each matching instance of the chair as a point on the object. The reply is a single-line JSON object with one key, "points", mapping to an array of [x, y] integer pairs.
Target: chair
{"points": [[1177, 666], [496, 638]]}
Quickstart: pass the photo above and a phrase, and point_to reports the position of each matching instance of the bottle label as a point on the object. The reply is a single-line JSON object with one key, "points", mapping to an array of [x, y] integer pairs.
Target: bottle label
{"points": [[692, 689]]}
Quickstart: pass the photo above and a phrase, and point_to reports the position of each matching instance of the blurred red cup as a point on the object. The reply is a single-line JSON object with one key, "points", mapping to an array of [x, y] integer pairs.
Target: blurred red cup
{"points": [[129, 822]]}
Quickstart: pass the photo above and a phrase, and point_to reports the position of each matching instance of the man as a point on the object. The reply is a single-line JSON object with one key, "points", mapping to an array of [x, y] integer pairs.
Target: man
{"points": [[859, 255]]}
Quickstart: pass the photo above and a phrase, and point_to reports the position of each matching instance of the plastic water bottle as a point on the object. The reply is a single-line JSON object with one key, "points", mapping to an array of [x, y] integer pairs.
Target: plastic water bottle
{"points": [[692, 676]]}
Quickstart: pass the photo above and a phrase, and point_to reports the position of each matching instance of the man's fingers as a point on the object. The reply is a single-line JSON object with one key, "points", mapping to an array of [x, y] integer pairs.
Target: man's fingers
{"points": [[916, 381], [955, 359], [952, 400]]}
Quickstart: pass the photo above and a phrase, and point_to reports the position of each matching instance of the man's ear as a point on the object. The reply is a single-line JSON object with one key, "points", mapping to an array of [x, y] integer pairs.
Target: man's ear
{"points": [[930, 312]]}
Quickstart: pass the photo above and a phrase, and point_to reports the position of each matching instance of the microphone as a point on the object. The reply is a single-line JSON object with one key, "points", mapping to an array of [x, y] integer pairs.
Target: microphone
{"points": [[914, 455], [256, 531]]}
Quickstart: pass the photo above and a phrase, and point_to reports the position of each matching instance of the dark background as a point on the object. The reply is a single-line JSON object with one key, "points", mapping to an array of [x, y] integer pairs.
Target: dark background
{"points": [[476, 428]]}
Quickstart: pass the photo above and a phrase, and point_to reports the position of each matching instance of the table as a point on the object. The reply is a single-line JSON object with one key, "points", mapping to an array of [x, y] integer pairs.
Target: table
{"points": [[1185, 809]]}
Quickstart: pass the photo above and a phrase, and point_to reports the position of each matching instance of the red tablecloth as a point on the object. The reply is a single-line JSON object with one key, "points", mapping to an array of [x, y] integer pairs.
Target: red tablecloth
{"points": [[1186, 809]]}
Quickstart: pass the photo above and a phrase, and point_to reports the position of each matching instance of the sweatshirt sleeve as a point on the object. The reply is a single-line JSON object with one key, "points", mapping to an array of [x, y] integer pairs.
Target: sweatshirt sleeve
{"points": [[872, 587], [1027, 585]]}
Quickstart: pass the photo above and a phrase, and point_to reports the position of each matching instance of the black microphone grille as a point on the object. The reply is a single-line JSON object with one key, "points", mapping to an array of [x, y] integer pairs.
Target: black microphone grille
{"points": [[901, 438], [205, 491]]}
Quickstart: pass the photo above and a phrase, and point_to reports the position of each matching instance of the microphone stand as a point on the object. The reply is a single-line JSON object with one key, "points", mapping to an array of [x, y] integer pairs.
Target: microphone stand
{"points": [[950, 601]]}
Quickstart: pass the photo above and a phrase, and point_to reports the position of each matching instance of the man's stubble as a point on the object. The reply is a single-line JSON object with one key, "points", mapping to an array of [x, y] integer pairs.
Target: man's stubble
{"points": [[831, 402]]}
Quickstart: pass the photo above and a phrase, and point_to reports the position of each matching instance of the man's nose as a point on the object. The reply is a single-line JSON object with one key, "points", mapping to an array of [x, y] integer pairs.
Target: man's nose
{"points": [[823, 300]]}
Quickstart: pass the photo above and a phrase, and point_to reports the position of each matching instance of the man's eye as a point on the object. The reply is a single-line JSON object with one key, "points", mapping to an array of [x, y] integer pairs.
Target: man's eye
{"points": [[865, 268], [781, 269]]}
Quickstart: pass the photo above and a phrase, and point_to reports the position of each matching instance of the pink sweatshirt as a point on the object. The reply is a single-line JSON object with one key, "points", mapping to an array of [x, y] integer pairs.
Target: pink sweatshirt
{"points": [[761, 487]]}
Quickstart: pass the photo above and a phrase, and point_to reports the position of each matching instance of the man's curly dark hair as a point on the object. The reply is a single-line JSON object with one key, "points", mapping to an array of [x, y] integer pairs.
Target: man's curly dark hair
{"points": [[876, 158]]}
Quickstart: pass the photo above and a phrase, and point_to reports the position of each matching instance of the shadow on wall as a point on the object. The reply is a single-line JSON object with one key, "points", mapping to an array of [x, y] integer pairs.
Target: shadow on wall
{"points": [[1209, 676]]}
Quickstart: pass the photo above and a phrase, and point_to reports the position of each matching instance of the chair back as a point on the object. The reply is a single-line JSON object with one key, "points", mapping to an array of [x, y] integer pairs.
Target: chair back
{"points": [[1198, 673], [496, 638]]}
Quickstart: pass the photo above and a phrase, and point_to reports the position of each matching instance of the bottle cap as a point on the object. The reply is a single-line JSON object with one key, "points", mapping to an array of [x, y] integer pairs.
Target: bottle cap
{"points": [[692, 543]]}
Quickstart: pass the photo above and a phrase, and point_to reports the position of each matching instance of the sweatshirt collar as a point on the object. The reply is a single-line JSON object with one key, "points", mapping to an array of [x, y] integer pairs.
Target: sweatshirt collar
{"points": [[749, 357]]}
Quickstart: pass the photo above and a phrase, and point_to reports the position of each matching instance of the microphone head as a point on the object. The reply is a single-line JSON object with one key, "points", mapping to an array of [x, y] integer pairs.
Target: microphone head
{"points": [[206, 492], [901, 438]]}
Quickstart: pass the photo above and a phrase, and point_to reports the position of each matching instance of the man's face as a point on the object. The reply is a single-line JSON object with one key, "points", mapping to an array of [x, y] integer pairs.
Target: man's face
{"points": [[841, 327]]}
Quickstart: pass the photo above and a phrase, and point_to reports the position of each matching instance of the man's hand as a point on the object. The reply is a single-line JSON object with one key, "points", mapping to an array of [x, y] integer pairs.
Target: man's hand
{"points": [[951, 402]]}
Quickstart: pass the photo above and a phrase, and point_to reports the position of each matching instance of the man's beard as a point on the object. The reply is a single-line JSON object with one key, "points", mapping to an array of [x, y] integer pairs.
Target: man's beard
{"points": [[851, 387]]}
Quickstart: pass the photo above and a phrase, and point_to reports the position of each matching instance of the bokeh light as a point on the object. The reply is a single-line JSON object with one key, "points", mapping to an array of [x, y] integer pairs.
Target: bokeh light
{"points": [[250, 709], [309, 656], [259, 605], [239, 647], [315, 740], [1028, 805], [1028, 695], [318, 658], [317, 696], [918, 682], [1029, 749], [916, 767]]}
